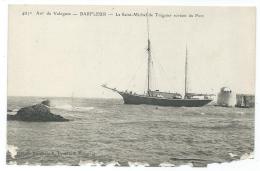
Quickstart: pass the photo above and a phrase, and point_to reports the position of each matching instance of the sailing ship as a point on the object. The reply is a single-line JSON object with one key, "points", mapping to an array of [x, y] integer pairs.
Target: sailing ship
{"points": [[156, 97]]}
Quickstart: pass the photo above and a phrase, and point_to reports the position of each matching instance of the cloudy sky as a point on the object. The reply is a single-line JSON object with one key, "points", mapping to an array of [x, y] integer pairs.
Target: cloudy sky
{"points": [[54, 55]]}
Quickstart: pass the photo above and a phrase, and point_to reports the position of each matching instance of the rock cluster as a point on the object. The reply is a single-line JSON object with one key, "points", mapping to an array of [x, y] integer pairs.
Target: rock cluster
{"points": [[37, 113]]}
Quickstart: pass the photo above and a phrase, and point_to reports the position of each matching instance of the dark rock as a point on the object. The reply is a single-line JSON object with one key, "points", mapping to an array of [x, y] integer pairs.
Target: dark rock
{"points": [[9, 110], [36, 113]]}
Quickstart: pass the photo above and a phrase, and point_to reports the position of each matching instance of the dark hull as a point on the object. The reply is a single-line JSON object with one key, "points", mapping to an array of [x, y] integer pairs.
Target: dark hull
{"points": [[141, 99]]}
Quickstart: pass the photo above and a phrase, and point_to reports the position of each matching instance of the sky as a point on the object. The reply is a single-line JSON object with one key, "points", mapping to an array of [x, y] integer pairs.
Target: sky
{"points": [[54, 55]]}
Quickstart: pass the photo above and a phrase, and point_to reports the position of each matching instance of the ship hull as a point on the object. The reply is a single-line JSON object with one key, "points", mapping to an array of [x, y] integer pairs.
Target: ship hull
{"points": [[141, 99]]}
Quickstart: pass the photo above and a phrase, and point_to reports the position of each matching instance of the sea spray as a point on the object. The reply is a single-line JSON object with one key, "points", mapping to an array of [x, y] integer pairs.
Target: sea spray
{"points": [[12, 150], [72, 108]]}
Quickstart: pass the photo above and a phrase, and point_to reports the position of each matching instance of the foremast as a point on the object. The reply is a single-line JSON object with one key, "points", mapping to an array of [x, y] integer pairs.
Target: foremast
{"points": [[149, 58]]}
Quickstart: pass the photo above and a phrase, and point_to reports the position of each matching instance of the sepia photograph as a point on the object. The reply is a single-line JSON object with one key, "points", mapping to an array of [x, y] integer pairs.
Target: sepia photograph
{"points": [[153, 86]]}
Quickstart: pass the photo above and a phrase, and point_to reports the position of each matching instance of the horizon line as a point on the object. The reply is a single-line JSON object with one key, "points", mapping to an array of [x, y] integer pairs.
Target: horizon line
{"points": [[63, 97]]}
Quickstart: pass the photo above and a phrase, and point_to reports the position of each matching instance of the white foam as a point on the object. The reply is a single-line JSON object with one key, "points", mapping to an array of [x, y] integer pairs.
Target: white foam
{"points": [[64, 107], [232, 155], [73, 108], [247, 156], [138, 164], [166, 164], [11, 113], [113, 163], [83, 108], [202, 113], [12, 150], [15, 110]]}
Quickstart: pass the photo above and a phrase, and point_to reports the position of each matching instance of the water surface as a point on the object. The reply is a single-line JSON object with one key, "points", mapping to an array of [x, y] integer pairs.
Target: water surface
{"points": [[107, 131]]}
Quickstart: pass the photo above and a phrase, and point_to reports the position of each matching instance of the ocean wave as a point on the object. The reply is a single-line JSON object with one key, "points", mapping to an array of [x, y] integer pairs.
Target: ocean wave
{"points": [[15, 110], [222, 126], [73, 108], [12, 150], [11, 113]]}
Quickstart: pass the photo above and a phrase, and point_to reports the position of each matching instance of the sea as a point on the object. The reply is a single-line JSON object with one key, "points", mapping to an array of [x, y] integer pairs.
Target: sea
{"points": [[106, 132]]}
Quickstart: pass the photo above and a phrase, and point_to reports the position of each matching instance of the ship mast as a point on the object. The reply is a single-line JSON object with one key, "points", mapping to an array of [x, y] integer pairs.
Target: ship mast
{"points": [[149, 58], [186, 71]]}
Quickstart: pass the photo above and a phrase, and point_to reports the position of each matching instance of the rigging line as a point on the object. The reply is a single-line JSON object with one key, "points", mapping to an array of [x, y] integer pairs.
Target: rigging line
{"points": [[125, 78], [157, 75], [135, 73], [155, 83], [164, 72]]}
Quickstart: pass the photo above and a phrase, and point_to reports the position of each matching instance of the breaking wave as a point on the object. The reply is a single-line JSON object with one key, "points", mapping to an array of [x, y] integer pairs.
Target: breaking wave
{"points": [[247, 156], [243, 157], [72, 108], [12, 150], [15, 110], [11, 113]]}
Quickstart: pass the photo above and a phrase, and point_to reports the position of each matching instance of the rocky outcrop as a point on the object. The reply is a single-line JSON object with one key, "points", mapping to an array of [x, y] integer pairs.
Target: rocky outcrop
{"points": [[37, 113], [46, 103]]}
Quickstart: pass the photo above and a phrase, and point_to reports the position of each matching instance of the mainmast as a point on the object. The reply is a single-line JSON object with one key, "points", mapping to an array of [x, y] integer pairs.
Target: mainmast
{"points": [[186, 72], [149, 58]]}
